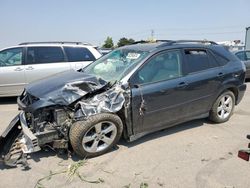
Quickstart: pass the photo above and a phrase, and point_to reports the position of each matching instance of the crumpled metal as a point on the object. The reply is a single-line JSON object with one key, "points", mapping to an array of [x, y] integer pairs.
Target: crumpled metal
{"points": [[108, 101]]}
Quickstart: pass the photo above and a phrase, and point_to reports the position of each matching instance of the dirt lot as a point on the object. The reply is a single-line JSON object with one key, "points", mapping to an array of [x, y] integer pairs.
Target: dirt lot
{"points": [[195, 154]]}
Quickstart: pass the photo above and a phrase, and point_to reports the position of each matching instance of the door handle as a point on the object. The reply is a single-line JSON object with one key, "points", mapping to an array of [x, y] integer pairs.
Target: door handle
{"points": [[236, 75], [30, 68], [220, 74], [182, 85], [18, 69], [165, 92]]}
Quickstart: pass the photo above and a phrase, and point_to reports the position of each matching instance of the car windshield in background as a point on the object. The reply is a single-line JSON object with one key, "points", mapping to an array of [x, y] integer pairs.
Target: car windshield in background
{"points": [[116, 64]]}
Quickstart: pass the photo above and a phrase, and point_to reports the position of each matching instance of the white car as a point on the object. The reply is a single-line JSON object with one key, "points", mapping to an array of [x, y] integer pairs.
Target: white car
{"points": [[27, 62]]}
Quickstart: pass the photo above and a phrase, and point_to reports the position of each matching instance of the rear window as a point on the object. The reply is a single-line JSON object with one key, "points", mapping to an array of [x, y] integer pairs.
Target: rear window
{"points": [[78, 54], [197, 60], [37, 55]]}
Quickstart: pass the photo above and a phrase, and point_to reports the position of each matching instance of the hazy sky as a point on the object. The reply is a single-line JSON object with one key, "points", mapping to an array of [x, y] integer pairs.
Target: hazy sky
{"points": [[92, 20]]}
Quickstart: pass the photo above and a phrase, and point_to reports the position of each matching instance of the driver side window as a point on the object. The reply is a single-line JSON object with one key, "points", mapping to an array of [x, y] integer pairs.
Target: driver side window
{"points": [[11, 57], [164, 66]]}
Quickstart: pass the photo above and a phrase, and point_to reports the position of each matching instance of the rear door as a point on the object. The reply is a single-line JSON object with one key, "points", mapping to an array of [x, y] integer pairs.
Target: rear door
{"points": [[12, 74], [42, 62], [79, 57], [204, 79]]}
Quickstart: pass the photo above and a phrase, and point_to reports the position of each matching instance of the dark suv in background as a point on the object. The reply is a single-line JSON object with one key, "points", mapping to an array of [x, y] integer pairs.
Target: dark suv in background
{"points": [[244, 55], [132, 91]]}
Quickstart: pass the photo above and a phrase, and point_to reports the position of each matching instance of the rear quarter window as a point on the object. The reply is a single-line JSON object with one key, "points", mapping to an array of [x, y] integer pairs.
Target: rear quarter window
{"points": [[241, 56], [78, 54], [220, 59]]}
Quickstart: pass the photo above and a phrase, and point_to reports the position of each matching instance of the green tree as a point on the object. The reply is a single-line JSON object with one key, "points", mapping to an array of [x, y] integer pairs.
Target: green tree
{"points": [[108, 43], [124, 41]]}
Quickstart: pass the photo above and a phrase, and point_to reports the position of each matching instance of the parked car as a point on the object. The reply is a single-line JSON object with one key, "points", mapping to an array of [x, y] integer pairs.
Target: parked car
{"points": [[28, 62], [132, 91], [104, 51], [244, 55]]}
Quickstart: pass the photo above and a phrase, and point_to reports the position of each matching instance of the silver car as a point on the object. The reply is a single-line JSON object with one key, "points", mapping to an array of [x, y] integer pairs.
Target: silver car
{"points": [[244, 55], [27, 62]]}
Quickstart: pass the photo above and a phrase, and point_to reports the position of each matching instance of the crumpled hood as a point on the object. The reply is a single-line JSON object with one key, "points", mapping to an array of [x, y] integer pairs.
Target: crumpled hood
{"points": [[64, 88]]}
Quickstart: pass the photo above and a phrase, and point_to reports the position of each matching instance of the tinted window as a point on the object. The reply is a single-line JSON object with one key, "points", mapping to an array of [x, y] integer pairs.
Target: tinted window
{"points": [[241, 56], [11, 57], [248, 55], [198, 60], [36, 55], [221, 60], [164, 66], [78, 54]]}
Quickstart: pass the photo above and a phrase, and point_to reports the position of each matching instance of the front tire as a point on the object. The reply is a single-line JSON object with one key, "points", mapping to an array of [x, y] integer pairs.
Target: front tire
{"points": [[96, 135], [223, 107]]}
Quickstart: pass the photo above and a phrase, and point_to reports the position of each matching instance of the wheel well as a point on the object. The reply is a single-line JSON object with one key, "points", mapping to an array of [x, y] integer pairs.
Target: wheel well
{"points": [[121, 114], [235, 92]]}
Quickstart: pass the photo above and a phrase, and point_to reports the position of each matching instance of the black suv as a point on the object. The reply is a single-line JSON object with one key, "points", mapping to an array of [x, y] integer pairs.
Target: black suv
{"points": [[132, 91]]}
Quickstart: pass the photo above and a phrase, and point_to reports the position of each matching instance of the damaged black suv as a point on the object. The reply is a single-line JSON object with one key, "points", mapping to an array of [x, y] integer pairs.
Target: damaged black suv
{"points": [[132, 91]]}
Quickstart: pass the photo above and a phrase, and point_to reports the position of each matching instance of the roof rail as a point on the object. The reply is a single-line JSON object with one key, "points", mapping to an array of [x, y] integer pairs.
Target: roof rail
{"points": [[56, 42], [170, 42], [140, 42], [163, 40]]}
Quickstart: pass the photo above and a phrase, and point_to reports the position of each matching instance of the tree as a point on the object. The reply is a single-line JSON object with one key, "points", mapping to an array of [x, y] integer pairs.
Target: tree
{"points": [[124, 41], [108, 43]]}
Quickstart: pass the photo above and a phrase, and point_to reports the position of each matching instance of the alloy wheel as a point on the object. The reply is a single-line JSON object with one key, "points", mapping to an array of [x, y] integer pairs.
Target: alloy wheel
{"points": [[99, 137]]}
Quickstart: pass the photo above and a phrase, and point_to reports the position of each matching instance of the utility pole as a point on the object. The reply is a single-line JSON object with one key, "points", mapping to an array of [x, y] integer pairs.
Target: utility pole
{"points": [[152, 39], [152, 34]]}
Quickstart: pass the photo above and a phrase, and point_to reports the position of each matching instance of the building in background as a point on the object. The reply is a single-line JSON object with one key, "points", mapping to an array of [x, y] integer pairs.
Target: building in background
{"points": [[234, 45]]}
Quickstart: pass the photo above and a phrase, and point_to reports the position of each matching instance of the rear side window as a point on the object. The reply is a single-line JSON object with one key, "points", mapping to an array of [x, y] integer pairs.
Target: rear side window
{"points": [[198, 60], [78, 54], [37, 55]]}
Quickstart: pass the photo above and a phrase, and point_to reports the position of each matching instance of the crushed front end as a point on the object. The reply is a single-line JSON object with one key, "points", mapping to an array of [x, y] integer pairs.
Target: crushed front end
{"points": [[31, 130], [50, 107]]}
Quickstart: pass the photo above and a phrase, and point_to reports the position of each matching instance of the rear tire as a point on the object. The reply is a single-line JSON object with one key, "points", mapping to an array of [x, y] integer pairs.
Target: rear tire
{"points": [[223, 107], [95, 136]]}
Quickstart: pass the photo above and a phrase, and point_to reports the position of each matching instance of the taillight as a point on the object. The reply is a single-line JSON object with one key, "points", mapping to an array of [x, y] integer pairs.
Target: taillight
{"points": [[243, 154]]}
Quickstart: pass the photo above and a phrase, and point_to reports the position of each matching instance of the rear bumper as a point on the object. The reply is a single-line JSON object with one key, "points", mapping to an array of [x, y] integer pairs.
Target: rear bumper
{"points": [[241, 91]]}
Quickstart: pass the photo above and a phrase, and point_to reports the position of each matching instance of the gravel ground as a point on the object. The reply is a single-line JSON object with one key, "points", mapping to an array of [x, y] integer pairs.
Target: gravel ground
{"points": [[195, 154]]}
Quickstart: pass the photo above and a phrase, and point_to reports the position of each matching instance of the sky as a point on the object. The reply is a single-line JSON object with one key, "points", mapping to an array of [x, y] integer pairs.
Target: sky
{"points": [[93, 20]]}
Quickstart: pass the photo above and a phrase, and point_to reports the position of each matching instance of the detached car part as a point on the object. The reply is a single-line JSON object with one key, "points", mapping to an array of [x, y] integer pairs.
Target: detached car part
{"points": [[244, 154]]}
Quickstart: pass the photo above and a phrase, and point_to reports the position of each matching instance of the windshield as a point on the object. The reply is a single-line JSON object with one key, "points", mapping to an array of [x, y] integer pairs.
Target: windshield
{"points": [[116, 64]]}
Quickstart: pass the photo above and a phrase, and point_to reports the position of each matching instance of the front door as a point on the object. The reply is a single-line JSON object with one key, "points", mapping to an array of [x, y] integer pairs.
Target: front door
{"points": [[158, 93], [12, 73]]}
